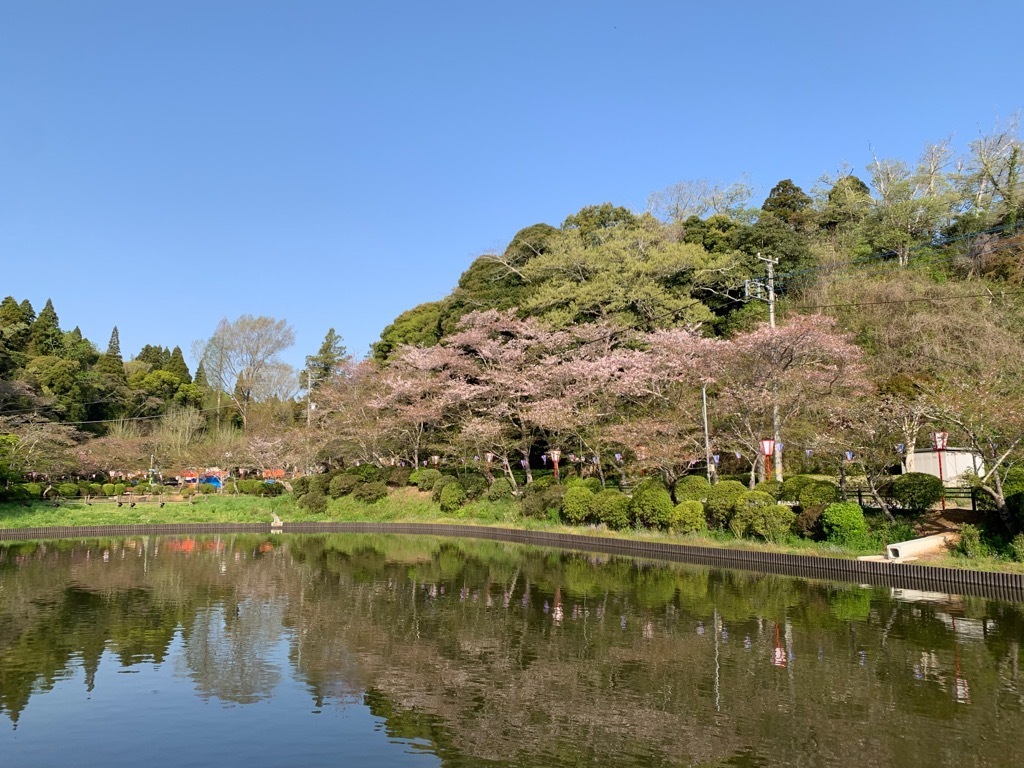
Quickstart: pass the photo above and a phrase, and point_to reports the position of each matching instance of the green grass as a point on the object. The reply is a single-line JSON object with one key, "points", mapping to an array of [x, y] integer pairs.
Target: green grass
{"points": [[410, 505]]}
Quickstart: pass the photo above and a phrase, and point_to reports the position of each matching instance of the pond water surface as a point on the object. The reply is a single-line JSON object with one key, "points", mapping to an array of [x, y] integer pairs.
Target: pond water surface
{"points": [[367, 650]]}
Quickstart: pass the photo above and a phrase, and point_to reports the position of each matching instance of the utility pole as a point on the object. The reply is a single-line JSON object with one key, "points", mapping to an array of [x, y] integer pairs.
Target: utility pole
{"points": [[707, 434], [770, 263]]}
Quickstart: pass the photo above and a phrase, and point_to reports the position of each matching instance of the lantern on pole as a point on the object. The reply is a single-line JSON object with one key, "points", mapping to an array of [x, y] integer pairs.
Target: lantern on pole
{"points": [[767, 449], [940, 440], [555, 456]]}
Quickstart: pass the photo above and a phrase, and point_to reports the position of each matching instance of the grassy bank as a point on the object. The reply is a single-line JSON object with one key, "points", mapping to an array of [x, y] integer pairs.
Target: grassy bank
{"points": [[403, 505]]}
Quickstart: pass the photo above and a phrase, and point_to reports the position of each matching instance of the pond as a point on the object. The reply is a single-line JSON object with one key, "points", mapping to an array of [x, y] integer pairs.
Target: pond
{"points": [[367, 650]]}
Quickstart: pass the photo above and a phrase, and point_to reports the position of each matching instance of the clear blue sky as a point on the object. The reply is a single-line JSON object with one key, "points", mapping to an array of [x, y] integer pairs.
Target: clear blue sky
{"points": [[167, 164]]}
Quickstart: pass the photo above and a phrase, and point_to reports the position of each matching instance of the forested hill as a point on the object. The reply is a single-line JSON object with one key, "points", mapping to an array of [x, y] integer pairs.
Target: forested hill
{"points": [[900, 311], [692, 259], [48, 373]]}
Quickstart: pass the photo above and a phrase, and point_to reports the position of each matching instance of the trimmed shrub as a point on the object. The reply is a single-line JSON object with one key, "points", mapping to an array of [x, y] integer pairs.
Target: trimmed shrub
{"points": [[651, 505], [593, 484], [207, 488], [108, 489], [500, 489], [156, 490], [269, 489], [300, 485], [916, 492], [321, 483], [84, 488], [691, 488], [819, 493], [368, 473], [95, 489], [342, 485], [119, 488], [688, 517], [414, 477], [370, 493], [721, 499], [426, 479], [398, 476], [313, 502], [843, 522], [544, 503], [771, 487], [68, 490], [452, 497], [475, 485], [773, 523], [577, 503], [35, 490], [791, 487], [611, 507], [439, 485], [808, 523], [747, 509]]}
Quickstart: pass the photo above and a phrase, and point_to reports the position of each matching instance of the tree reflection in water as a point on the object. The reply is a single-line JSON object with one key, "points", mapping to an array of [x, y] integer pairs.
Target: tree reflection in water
{"points": [[527, 656]]}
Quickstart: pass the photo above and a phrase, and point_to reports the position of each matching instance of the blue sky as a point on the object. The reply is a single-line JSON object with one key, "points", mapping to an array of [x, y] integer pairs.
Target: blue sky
{"points": [[167, 164]]}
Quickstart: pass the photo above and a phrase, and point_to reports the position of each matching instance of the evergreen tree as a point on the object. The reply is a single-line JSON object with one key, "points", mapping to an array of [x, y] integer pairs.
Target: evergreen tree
{"points": [[157, 357], [114, 345], [200, 379], [326, 363], [14, 325], [789, 203], [45, 336], [110, 366], [27, 312], [177, 366]]}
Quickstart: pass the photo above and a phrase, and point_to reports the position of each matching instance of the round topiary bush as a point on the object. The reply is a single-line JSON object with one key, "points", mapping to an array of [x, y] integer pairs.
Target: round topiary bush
{"points": [[691, 488], [843, 522], [500, 489], [207, 488], [300, 486], [370, 493], [321, 483], [773, 522], [368, 473], [426, 479], [452, 497], [475, 485], [916, 492], [791, 487], [651, 505], [398, 477], [313, 502], [720, 501], [577, 504], [342, 485], [440, 484], [771, 487], [748, 508], [819, 493], [68, 490], [688, 517], [611, 507]]}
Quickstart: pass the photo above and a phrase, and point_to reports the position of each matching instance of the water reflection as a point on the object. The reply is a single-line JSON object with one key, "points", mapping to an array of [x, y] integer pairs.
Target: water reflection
{"points": [[480, 651]]}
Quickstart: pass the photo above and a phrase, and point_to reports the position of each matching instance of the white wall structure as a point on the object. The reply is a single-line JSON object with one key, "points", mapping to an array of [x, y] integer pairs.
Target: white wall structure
{"points": [[956, 462]]}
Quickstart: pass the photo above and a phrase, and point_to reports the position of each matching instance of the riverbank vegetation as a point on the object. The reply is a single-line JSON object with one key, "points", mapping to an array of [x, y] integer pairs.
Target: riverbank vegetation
{"points": [[635, 349]]}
